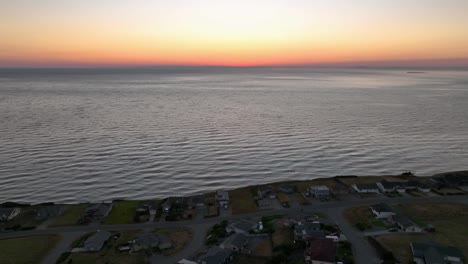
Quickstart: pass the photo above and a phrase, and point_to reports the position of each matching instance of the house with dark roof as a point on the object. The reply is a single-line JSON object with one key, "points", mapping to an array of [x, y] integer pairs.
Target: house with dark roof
{"points": [[266, 192], [320, 251], [321, 192], [235, 242], [432, 253], [241, 226], [7, 214], [391, 187], [222, 197], [216, 256], [46, 212], [366, 188], [94, 243], [382, 210], [306, 230], [264, 204], [405, 224], [146, 242], [287, 188]]}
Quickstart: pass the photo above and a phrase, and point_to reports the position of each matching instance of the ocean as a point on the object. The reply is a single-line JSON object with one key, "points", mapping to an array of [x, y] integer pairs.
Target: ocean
{"points": [[76, 135]]}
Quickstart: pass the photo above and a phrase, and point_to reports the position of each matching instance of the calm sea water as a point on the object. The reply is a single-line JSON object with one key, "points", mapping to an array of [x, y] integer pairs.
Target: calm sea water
{"points": [[92, 135]]}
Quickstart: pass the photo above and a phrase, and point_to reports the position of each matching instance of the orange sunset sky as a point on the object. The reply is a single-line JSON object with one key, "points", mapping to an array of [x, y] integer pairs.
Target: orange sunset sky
{"points": [[233, 33]]}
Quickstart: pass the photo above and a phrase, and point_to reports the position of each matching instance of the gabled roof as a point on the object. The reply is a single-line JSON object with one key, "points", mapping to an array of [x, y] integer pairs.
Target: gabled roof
{"points": [[321, 249], [392, 185], [432, 252], [403, 220], [216, 256], [382, 208], [96, 241], [238, 240]]}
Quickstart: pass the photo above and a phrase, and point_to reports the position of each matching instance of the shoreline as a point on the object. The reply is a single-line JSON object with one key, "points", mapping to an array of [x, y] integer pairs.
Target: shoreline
{"points": [[403, 176]]}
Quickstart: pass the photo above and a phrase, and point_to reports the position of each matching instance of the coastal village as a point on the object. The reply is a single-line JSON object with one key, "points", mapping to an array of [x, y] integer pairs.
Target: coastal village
{"points": [[345, 219]]}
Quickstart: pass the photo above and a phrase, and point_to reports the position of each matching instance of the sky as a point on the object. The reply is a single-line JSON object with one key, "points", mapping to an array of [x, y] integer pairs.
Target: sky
{"points": [[233, 33]]}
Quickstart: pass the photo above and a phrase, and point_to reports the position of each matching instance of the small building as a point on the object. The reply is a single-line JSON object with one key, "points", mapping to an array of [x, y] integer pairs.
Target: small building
{"points": [[264, 204], [322, 192], [146, 242], [94, 243], [165, 242], [382, 210], [306, 230], [174, 204], [366, 188], [429, 252], [320, 251], [197, 201], [235, 242], [287, 188], [222, 197], [216, 256], [405, 224], [266, 191], [7, 214], [241, 226], [46, 212]]}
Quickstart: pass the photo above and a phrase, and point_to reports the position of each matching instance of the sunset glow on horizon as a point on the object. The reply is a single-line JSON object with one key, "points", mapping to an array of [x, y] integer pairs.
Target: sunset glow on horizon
{"points": [[233, 33]]}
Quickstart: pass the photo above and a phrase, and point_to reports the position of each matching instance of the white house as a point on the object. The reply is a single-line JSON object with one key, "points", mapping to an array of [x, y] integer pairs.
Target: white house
{"points": [[222, 197]]}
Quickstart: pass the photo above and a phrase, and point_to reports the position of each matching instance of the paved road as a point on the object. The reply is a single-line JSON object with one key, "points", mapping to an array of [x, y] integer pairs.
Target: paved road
{"points": [[362, 251]]}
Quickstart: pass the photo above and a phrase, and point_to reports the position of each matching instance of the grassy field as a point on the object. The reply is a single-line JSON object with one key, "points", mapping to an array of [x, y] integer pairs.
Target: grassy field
{"points": [[242, 200], [70, 216], [26, 250], [449, 220], [180, 236], [363, 217], [122, 212]]}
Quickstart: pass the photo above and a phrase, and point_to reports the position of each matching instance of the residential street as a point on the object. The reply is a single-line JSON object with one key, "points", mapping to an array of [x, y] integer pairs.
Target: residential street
{"points": [[363, 252]]}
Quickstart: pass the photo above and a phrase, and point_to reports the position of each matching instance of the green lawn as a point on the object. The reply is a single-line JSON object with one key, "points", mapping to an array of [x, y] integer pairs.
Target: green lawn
{"points": [[123, 212], [26, 250], [242, 200], [70, 216]]}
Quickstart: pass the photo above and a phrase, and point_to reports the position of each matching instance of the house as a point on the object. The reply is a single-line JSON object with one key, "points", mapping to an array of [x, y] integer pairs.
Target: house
{"points": [[46, 212], [146, 242], [320, 251], [286, 188], [422, 187], [391, 187], [453, 179], [306, 230], [382, 210], [431, 253], [264, 204], [322, 192], [222, 197], [366, 188], [266, 192], [216, 256], [7, 214], [197, 201], [405, 224], [236, 242], [174, 204], [165, 242], [94, 243], [98, 210], [186, 261], [241, 226]]}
